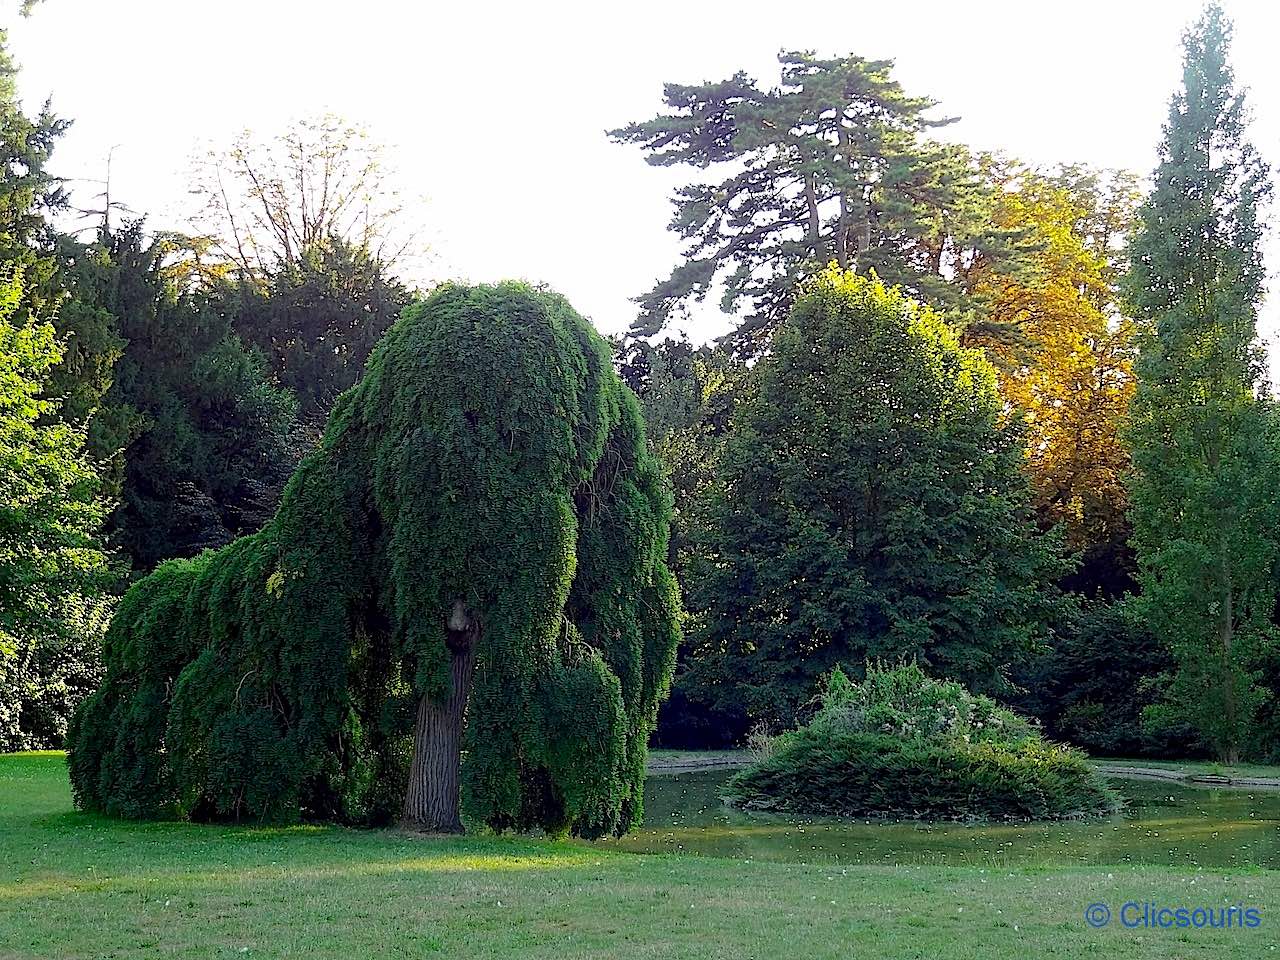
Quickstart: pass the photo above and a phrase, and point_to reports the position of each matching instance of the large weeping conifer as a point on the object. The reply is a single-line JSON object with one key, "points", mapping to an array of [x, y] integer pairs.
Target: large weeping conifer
{"points": [[1205, 457], [461, 609]]}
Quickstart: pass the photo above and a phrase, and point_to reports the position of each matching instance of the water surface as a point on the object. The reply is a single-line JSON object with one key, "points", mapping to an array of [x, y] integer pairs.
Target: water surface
{"points": [[1163, 823]]}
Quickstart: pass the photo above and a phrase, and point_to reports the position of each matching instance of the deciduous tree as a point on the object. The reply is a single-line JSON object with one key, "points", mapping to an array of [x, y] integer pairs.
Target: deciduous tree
{"points": [[1205, 511], [1069, 370], [871, 503], [265, 202], [53, 570]]}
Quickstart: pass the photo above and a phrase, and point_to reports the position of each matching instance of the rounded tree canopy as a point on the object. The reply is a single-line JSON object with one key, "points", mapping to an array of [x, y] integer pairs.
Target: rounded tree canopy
{"points": [[870, 503], [484, 496]]}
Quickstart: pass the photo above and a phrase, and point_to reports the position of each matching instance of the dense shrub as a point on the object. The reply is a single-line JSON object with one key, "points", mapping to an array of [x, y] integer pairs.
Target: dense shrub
{"points": [[903, 746], [490, 457], [903, 702]]}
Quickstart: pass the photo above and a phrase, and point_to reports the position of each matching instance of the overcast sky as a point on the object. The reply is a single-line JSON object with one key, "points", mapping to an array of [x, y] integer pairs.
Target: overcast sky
{"points": [[496, 113]]}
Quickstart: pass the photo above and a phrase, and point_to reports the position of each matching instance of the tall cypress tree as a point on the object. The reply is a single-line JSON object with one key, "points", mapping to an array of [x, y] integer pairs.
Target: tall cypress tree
{"points": [[1205, 455]]}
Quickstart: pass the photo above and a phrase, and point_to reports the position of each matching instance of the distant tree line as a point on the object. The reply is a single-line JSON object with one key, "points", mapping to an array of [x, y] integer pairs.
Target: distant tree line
{"points": [[1066, 498], [158, 392], [1040, 458]]}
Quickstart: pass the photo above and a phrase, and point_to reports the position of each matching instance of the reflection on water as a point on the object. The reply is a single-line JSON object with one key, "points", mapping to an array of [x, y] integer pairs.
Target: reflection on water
{"points": [[1163, 824]]}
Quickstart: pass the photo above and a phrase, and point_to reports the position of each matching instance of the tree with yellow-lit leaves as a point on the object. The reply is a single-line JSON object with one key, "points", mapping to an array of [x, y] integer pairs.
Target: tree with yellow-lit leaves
{"points": [[1069, 368]]}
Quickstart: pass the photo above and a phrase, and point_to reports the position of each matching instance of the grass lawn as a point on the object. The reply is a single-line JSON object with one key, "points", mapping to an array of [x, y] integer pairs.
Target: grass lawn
{"points": [[74, 885]]}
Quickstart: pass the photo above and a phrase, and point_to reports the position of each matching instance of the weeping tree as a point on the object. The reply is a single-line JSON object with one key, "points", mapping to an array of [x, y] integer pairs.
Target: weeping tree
{"points": [[461, 609]]}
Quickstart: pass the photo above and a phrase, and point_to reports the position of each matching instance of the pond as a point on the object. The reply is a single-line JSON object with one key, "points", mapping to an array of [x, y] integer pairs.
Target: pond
{"points": [[1163, 823]]}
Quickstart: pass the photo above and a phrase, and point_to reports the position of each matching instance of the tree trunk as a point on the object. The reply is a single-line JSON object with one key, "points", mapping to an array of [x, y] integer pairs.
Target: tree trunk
{"points": [[1230, 752], [815, 225], [842, 234], [432, 800]]}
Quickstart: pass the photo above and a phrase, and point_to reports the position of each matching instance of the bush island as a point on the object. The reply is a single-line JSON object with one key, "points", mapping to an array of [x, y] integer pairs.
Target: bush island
{"points": [[904, 746]]}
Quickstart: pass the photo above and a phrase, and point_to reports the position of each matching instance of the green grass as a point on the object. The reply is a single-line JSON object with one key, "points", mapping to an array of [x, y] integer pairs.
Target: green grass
{"points": [[74, 885]]}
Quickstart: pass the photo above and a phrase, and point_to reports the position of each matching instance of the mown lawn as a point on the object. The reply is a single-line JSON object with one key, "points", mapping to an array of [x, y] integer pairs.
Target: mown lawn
{"points": [[74, 885]]}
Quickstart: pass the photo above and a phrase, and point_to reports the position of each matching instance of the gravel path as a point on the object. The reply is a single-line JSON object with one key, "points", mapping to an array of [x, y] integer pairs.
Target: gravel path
{"points": [[1184, 776]]}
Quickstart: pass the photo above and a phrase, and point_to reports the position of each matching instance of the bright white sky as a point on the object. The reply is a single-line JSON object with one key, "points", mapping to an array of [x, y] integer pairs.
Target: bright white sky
{"points": [[496, 113]]}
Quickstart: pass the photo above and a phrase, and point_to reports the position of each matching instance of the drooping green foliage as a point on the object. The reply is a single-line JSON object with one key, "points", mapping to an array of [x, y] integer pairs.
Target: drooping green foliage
{"points": [[1205, 449], [53, 571], [870, 503], [490, 456], [901, 745], [831, 165]]}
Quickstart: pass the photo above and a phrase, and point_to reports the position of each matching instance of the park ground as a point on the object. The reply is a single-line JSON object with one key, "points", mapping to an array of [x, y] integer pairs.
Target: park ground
{"points": [[75, 885]]}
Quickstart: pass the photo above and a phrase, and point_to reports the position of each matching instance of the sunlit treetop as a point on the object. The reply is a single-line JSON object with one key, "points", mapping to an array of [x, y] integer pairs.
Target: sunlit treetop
{"points": [[832, 165]]}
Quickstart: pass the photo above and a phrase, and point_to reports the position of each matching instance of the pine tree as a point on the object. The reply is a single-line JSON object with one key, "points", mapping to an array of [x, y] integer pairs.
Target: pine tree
{"points": [[198, 436], [28, 192], [832, 165], [317, 317], [1205, 455]]}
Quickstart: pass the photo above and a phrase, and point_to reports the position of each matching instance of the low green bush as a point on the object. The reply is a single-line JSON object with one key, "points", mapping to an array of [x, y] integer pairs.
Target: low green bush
{"points": [[903, 746], [904, 702]]}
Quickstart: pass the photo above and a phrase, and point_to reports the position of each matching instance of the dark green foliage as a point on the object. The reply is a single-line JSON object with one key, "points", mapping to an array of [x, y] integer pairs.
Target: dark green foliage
{"points": [[316, 319], [28, 192], [873, 775], [53, 572], [1206, 451], [870, 503], [197, 438], [1266, 734], [489, 455], [687, 395], [92, 346], [832, 165], [902, 746], [1098, 676]]}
